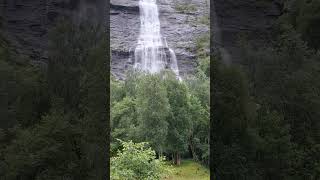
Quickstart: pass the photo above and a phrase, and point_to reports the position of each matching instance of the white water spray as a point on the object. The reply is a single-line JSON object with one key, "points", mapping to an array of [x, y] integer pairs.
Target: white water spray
{"points": [[152, 53]]}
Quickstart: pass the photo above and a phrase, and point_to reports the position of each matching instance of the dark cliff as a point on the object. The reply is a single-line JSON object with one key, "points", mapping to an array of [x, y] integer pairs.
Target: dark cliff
{"points": [[26, 23], [251, 17]]}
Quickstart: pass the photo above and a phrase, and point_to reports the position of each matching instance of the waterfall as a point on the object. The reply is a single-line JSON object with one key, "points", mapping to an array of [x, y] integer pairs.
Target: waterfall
{"points": [[152, 53]]}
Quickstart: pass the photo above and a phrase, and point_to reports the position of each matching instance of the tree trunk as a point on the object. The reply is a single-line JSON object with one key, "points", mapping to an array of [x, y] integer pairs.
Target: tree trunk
{"points": [[160, 154], [192, 148], [173, 158], [178, 159]]}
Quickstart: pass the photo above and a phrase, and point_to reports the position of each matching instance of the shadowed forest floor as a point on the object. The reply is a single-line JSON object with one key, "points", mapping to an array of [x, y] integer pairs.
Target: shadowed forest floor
{"points": [[189, 170]]}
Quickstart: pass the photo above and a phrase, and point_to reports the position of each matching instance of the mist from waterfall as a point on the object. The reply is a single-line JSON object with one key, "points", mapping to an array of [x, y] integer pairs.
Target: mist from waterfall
{"points": [[152, 53]]}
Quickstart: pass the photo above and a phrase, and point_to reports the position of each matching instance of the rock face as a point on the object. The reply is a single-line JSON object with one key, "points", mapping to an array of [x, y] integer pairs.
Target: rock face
{"points": [[252, 17], [26, 23], [180, 28], [25, 26]]}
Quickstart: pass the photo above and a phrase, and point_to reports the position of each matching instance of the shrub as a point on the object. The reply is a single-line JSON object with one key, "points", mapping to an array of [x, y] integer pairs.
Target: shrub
{"points": [[136, 161]]}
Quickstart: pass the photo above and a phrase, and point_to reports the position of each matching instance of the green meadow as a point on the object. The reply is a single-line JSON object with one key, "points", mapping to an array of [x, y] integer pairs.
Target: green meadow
{"points": [[188, 170]]}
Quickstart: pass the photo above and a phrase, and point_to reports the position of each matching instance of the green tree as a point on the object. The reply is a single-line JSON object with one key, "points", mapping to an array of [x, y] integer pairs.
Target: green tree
{"points": [[68, 141], [117, 91], [270, 147], [199, 132], [179, 124], [304, 16], [152, 111], [284, 79], [93, 105], [233, 111], [123, 122], [46, 151]]}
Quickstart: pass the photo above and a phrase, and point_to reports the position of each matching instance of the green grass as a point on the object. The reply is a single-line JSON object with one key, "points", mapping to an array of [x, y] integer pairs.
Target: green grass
{"points": [[188, 170]]}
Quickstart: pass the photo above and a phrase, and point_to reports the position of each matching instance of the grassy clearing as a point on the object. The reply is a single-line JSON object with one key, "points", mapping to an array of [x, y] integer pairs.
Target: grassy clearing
{"points": [[188, 170]]}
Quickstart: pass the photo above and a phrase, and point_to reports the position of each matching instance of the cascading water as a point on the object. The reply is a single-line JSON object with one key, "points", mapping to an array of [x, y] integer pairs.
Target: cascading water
{"points": [[152, 53]]}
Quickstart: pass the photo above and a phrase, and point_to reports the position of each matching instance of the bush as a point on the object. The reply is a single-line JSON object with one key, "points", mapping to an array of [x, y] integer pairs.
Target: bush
{"points": [[136, 161]]}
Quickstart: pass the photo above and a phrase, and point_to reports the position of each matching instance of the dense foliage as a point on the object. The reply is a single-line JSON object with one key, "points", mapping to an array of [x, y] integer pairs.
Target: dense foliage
{"points": [[172, 115], [136, 161], [304, 16], [53, 118], [266, 111], [265, 121]]}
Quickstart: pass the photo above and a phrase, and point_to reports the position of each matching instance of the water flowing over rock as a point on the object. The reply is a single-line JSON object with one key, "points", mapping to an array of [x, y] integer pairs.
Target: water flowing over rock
{"points": [[25, 24], [152, 53], [179, 31]]}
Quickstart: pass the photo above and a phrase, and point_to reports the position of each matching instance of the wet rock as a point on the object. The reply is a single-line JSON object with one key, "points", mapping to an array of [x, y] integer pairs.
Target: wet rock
{"points": [[181, 29], [26, 25]]}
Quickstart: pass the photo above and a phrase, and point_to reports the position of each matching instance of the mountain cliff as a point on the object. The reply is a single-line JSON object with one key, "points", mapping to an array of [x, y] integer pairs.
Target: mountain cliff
{"points": [[253, 18], [26, 24], [181, 25]]}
